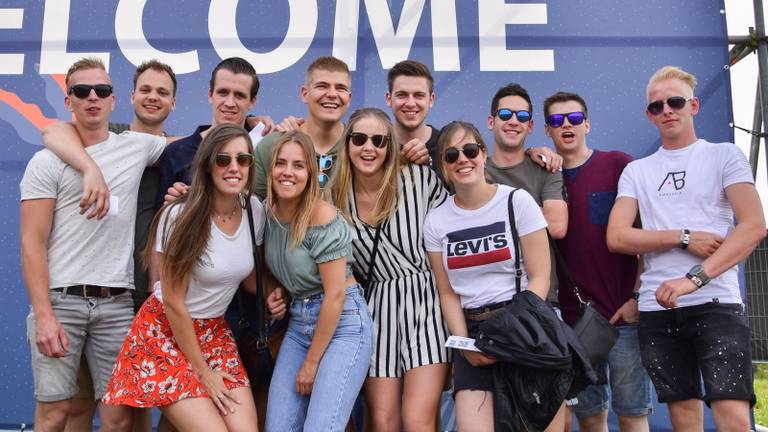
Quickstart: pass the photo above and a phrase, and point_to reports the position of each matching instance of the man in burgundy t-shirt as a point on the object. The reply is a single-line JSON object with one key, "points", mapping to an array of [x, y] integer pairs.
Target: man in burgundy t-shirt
{"points": [[607, 279]]}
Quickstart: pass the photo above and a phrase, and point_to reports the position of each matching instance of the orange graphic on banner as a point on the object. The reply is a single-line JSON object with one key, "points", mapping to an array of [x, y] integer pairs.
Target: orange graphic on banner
{"points": [[31, 111]]}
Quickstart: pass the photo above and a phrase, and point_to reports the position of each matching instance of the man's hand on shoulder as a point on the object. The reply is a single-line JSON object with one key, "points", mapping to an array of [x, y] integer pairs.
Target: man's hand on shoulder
{"points": [[289, 123], [415, 151], [253, 120], [95, 199], [545, 158], [175, 192]]}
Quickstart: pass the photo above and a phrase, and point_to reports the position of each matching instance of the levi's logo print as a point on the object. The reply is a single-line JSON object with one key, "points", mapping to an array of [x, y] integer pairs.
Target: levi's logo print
{"points": [[478, 246], [673, 182]]}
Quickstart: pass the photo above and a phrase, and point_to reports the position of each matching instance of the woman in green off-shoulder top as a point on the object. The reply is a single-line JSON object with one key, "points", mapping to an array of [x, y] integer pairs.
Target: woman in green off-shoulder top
{"points": [[325, 355]]}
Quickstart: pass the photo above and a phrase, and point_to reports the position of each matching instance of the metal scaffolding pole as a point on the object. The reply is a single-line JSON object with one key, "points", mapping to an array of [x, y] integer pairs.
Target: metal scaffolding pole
{"points": [[762, 61]]}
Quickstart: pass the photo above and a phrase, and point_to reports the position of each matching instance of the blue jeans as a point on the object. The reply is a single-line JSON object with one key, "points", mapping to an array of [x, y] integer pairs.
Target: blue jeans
{"points": [[630, 385], [340, 375]]}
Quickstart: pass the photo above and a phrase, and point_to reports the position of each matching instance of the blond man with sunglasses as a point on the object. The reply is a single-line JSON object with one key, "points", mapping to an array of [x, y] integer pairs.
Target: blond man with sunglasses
{"points": [[693, 325]]}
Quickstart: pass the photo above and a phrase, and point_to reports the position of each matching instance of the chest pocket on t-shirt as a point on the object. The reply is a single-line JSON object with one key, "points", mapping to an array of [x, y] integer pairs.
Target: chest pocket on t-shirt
{"points": [[600, 204]]}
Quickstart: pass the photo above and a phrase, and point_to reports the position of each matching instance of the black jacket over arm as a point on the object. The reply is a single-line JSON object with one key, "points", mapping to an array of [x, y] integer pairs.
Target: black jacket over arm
{"points": [[541, 362]]}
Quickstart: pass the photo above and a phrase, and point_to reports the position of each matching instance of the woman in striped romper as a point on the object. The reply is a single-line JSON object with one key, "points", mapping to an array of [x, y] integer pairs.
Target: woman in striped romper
{"points": [[409, 361]]}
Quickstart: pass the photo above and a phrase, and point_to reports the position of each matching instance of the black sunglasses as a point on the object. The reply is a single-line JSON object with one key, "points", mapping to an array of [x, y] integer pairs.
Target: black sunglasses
{"points": [[470, 150], [243, 159], [359, 139], [82, 91], [505, 114], [557, 120], [675, 102]]}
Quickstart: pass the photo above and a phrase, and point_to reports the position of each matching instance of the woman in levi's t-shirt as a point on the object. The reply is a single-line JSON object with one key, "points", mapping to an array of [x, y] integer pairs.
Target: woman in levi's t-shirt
{"points": [[180, 354], [471, 250]]}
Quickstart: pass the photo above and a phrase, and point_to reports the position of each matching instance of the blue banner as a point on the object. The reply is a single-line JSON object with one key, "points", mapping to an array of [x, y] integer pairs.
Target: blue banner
{"points": [[605, 50]]}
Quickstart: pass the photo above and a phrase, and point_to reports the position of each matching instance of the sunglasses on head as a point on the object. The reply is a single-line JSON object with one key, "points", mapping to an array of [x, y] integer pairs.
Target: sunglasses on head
{"points": [[505, 114], [675, 102], [243, 159], [82, 91], [359, 139], [470, 150], [324, 163], [557, 120]]}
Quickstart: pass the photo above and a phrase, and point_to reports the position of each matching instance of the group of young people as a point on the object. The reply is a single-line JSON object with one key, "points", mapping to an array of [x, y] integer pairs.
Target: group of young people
{"points": [[374, 262]]}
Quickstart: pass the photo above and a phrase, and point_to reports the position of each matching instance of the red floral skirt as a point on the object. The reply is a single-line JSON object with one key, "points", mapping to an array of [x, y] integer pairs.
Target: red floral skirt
{"points": [[152, 371]]}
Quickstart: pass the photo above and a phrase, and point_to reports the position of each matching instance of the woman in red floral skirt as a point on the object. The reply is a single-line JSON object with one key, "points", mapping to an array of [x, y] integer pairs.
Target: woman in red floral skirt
{"points": [[180, 354]]}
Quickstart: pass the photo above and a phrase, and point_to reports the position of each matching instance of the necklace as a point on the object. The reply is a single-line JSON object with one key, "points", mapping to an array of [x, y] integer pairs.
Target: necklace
{"points": [[226, 217]]}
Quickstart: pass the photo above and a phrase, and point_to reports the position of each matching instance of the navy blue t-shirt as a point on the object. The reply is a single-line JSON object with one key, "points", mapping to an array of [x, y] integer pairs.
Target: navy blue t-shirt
{"points": [[176, 162]]}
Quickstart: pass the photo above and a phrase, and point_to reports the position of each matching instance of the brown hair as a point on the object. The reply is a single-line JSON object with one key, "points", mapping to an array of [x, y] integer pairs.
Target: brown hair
{"points": [[388, 195], [410, 68], [84, 64], [311, 194], [564, 97], [156, 66], [327, 63], [236, 65], [186, 242], [447, 134]]}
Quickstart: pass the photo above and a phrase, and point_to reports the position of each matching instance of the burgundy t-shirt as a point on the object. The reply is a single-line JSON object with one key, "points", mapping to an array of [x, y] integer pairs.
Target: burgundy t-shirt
{"points": [[605, 278]]}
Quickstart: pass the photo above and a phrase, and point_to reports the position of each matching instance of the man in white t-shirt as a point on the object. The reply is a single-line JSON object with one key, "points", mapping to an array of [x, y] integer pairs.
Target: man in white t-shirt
{"points": [[692, 320], [78, 269]]}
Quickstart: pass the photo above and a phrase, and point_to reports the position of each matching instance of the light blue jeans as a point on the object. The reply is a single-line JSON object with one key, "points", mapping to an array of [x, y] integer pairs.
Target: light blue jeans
{"points": [[629, 382], [340, 375]]}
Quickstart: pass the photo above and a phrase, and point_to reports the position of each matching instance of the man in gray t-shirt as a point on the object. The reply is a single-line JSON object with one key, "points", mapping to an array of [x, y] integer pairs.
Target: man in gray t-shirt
{"points": [[78, 269], [511, 122]]}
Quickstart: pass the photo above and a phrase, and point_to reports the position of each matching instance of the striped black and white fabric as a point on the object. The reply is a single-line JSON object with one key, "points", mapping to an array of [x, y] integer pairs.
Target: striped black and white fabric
{"points": [[408, 326]]}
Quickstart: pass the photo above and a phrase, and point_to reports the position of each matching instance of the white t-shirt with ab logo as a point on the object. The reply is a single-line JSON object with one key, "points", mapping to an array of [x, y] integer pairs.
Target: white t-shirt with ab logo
{"points": [[685, 188]]}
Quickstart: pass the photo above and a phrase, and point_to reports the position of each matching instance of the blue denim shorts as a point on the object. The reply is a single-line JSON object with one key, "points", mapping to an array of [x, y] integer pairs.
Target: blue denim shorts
{"points": [[682, 346], [630, 387]]}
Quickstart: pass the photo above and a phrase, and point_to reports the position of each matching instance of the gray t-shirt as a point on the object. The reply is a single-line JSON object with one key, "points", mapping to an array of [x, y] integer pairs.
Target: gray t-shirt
{"points": [[540, 183], [89, 251]]}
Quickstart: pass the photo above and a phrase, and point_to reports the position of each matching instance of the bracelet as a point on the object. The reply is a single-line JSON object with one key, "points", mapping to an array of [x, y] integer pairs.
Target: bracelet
{"points": [[636, 296], [685, 238]]}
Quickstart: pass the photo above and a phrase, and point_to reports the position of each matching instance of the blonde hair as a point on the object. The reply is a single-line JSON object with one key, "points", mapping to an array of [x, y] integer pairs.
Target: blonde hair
{"points": [[311, 194], [388, 195], [673, 72], [84, 64]]}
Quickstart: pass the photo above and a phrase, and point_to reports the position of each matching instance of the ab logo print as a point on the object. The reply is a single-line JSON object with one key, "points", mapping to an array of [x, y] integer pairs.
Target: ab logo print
{"points": [[477, 246], [673, 182]]}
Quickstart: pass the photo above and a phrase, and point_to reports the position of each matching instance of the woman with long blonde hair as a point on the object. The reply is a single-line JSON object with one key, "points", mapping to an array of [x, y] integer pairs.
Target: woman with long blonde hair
{"points": [[327, 347], [386, 203]]}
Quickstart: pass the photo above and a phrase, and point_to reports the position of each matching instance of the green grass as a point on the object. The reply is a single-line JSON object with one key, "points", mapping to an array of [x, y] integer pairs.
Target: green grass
{"points": [[761, 390]]}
